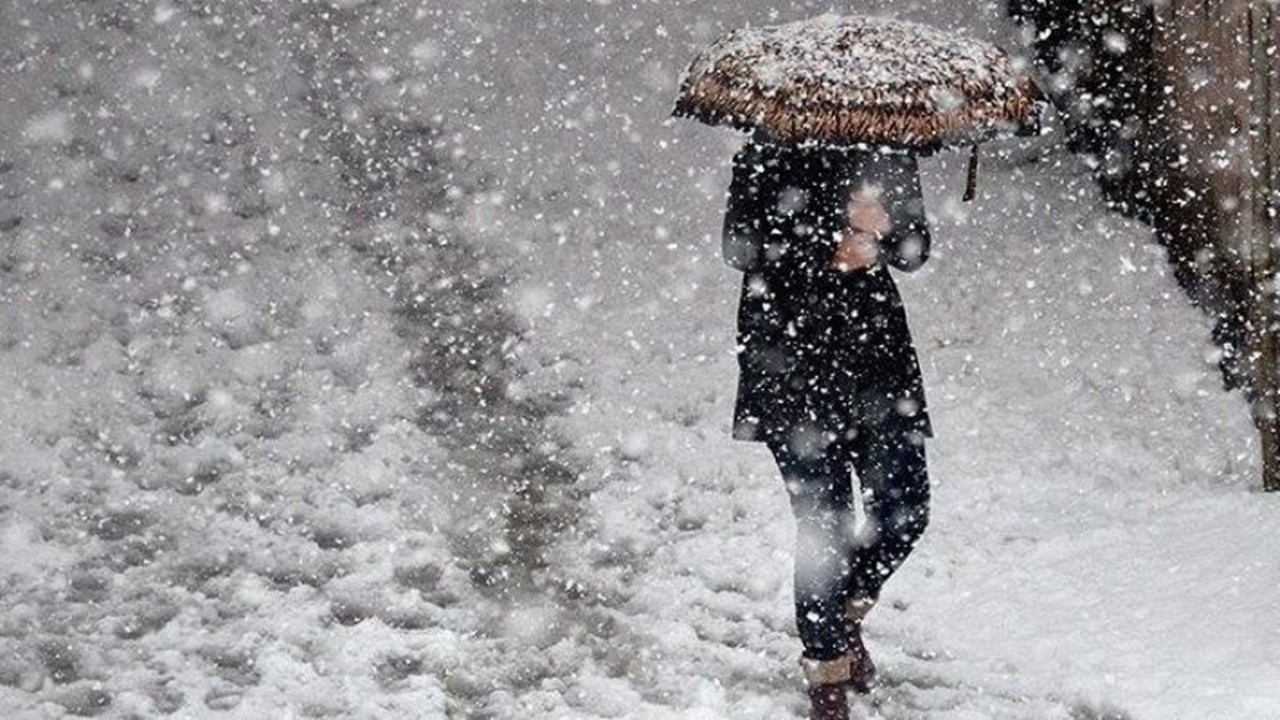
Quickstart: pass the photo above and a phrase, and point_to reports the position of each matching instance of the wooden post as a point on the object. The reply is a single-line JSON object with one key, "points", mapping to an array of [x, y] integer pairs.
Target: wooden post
{"points": [[1262, 229]]}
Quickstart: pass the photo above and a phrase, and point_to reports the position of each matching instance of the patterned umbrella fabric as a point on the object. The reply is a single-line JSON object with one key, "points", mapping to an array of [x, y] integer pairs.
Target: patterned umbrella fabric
{"points": [[856, 80]]}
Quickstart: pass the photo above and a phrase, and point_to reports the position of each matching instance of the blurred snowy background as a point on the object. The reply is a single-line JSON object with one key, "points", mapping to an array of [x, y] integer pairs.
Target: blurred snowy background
{"points": [[374, 360]]}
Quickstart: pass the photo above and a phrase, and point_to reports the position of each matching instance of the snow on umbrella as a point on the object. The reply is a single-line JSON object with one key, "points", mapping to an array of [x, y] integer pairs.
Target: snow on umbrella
{"points": [[857, 80]]}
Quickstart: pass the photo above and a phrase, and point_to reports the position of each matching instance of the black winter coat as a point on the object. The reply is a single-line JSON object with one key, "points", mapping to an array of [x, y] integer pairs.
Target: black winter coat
{"points": [[822, 353]]}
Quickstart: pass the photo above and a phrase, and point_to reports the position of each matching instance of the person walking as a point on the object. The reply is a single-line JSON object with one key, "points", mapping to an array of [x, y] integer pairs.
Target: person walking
{"points": [[825, 197], [829, 379]]}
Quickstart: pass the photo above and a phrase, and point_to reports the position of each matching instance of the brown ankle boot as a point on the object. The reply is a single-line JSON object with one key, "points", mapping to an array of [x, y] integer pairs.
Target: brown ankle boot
{"points": [[828, 681], [862, 672]]}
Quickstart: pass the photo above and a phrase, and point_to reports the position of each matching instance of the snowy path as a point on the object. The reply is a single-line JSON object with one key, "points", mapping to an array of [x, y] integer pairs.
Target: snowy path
{"points": [[278, 545], [1096, 549], [1094, 542]]}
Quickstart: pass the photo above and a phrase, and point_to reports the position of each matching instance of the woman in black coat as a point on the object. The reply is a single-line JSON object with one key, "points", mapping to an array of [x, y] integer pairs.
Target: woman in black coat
{"points": [[829, 378]]}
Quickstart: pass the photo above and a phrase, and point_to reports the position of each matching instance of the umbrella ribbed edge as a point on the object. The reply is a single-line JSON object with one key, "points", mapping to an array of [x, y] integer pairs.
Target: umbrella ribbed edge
{"points": [[711, 100]]}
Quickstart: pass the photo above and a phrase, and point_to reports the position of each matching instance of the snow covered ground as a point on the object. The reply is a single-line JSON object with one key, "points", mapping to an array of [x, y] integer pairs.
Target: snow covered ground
{"points": [[221, 496], [1098, 548]]}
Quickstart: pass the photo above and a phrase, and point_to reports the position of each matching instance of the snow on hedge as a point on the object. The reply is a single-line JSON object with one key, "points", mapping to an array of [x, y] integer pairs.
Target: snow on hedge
{"points": [[246, 351]]}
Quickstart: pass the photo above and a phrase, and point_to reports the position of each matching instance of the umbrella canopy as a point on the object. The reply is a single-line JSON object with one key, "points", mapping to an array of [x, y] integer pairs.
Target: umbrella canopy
{"points": [[851, 80]]}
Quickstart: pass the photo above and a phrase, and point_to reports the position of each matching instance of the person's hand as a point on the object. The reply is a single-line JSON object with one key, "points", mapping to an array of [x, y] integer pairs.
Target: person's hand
{"points": [[866, 213], [857, 251], [866, 220]]}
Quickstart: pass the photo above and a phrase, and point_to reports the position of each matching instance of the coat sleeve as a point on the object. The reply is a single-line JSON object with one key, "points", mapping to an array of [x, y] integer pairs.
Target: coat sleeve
{"points": [[742, 240], [906, 246]]}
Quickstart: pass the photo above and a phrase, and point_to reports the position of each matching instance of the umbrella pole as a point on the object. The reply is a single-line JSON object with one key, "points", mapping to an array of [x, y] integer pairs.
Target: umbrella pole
{"points": [[971, 184]]}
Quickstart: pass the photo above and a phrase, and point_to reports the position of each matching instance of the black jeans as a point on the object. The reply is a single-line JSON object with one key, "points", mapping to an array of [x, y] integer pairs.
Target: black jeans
{"points": [[832, 564]]}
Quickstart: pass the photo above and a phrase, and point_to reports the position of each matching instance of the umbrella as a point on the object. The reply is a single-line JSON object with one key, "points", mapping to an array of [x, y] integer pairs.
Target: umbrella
{"points": [[859, 80]]}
